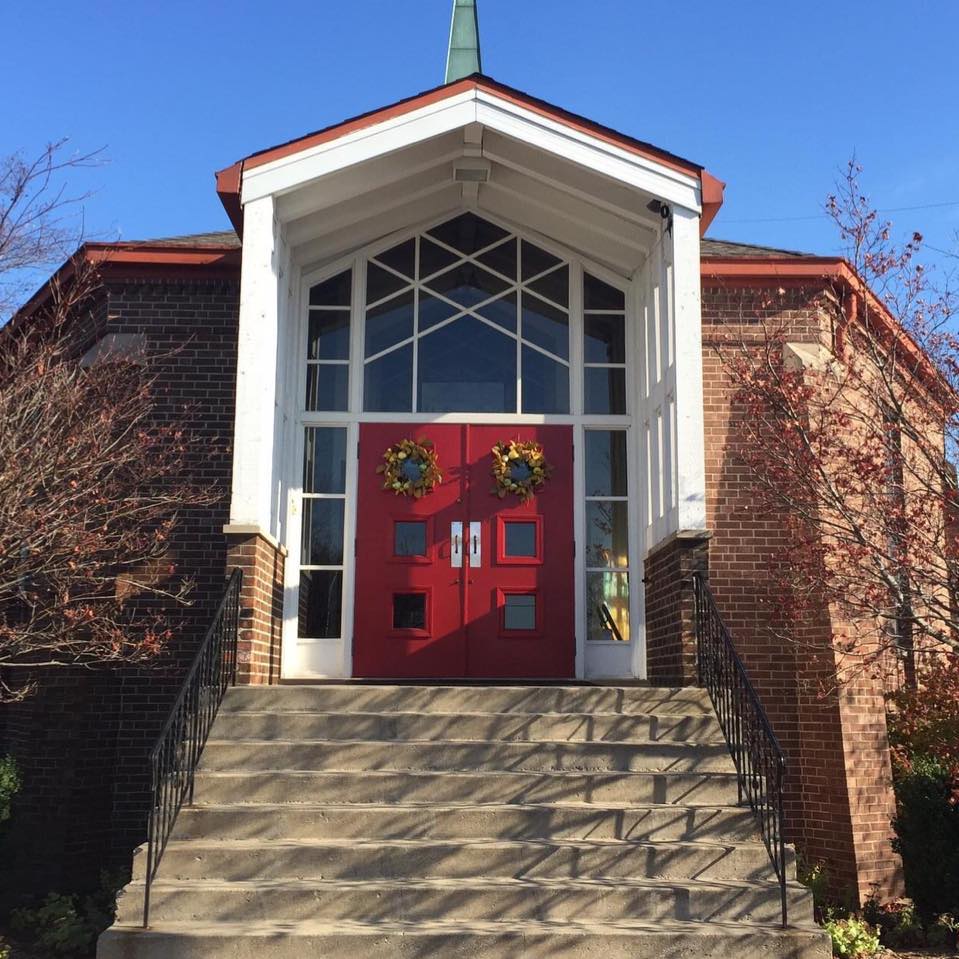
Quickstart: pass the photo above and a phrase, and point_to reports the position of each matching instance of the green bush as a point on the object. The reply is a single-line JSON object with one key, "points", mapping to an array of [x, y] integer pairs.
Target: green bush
{"points": [[69, 925], [927, 836], [815, 877], [853, 938], [9, 786]]}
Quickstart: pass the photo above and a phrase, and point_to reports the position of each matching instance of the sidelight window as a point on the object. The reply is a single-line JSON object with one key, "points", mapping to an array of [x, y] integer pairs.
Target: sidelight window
{"points": [[321, 543], [607, 536]]}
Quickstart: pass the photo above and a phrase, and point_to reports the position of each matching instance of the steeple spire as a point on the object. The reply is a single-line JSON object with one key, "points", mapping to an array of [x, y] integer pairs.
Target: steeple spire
{"points": [[464, 55]]}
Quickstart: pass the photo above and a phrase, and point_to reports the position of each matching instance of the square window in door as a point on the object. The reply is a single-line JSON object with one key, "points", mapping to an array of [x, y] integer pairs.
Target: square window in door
{"points": [[409, 538], [520, 541], [409, 611], [519, 612]]}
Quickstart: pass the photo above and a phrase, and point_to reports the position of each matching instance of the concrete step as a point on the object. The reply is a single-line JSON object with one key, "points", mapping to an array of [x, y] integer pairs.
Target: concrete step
{"points": [[622, 939], [688, 789], [622, 700], [467, 727], [472, 756], [458, 859], [464, 821], [471, 899]]}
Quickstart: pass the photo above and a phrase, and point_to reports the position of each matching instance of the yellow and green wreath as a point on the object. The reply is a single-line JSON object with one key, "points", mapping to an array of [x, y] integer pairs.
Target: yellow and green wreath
{"points": [[519, 468], [410, 468]]}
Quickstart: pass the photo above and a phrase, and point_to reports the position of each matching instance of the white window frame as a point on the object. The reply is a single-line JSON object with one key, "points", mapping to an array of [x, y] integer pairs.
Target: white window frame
{"points": [[332, 658]]}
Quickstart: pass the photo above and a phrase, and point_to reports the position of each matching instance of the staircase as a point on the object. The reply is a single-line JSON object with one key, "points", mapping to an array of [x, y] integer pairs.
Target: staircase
{"points": [[453, 822]]}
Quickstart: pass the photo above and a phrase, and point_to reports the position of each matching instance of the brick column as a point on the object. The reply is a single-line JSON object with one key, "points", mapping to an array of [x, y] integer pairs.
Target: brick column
{"points": [[670, 608], [262, 560]]}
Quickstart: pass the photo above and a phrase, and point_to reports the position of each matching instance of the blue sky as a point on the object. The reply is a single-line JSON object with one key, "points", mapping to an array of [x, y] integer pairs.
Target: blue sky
{"points": [[773, 98]]}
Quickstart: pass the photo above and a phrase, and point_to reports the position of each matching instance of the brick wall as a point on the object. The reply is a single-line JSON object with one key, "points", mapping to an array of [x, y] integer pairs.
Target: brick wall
{"points": [[839, 797], [83, 738], [261, 605], [670, 611]]}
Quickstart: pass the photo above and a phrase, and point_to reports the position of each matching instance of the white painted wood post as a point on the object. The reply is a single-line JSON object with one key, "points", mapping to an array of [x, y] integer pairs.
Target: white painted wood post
{"points": [[253, 442], [690, 462]]}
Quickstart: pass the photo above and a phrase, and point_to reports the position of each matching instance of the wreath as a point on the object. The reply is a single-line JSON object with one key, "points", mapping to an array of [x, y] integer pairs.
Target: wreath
{"points": [[410, 468], [519, 468]]}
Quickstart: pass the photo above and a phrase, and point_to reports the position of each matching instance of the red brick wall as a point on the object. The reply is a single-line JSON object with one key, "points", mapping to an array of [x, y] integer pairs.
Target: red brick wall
{"points": [[839, 796], [261, 606], [670, 611]]}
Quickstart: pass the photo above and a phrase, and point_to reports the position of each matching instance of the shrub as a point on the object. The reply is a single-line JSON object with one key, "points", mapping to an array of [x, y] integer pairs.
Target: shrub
{"points": [[69, 925], [853, 938], [9, 786], [815, 877], [898, 923], [927, 836]]}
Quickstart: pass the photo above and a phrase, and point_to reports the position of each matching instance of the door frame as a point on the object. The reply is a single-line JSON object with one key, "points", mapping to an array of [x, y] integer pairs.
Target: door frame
{"points": [[336, 655]]}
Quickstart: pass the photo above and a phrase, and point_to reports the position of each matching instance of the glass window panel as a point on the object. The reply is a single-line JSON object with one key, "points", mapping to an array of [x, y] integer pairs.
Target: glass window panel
{"points": [[401, 258], [434, 258], [502, 312], [554, 286], [389, 323], [409, 538], [607, 534], [536, 261], [434, 310], [468, 233], [388, 382], [501, 258], [322, 532], [605, 339], [329, 337], [321, 600], [324, 460], [598, 295], [545, 326], [607, 606], [520, 539], [605, 390], [519, 611], [409, 611], [381, 283], [327, 387], [337, 291], [467, 367], [468, 284], [545, 383], [606, 463]]}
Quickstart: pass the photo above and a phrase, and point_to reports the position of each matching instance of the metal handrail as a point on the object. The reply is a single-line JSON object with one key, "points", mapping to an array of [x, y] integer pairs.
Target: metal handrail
{"points": [[174, 758], [760, 763]]}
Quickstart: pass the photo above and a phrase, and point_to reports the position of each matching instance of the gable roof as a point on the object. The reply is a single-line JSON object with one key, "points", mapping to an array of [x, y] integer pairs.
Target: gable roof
{"points": [[229, 180]]}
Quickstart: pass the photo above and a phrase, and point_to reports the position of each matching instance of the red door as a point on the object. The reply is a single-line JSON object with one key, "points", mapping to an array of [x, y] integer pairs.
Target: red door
{"points": [[461, 583]]}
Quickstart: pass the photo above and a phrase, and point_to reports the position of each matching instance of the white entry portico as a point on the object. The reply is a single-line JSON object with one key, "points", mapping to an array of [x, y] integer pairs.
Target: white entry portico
{"points": [[607, 209]]}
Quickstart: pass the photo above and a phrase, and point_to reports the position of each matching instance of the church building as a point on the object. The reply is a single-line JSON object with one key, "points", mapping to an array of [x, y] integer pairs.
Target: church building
{"points": [[482, 477]]}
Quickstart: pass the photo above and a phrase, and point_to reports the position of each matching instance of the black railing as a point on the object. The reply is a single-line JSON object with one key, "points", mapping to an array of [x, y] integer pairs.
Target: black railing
{"points": [[760, 764], [176, 754]]}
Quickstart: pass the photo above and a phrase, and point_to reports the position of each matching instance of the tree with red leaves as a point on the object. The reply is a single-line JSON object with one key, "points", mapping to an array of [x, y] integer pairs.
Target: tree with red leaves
{"points": [[92, 479], [851, 443]]}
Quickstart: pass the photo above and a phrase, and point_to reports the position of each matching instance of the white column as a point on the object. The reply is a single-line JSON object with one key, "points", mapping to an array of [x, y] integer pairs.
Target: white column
{"points": [[690, 462], [253, 440]]}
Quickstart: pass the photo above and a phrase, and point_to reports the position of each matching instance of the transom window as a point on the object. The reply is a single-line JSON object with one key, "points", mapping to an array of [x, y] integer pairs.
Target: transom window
{"points": [[466, 318]]}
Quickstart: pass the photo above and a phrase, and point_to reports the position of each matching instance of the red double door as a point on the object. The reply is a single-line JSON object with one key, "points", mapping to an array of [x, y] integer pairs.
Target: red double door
{"points": [[461, 583]]}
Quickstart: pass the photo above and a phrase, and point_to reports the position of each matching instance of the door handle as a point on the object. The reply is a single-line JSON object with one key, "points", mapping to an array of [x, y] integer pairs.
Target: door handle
{"points": [[456, 545], [476, 545]]}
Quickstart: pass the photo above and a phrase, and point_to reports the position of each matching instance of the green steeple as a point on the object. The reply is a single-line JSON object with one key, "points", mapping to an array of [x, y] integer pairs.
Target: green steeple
{"points": [[464, 56]]}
